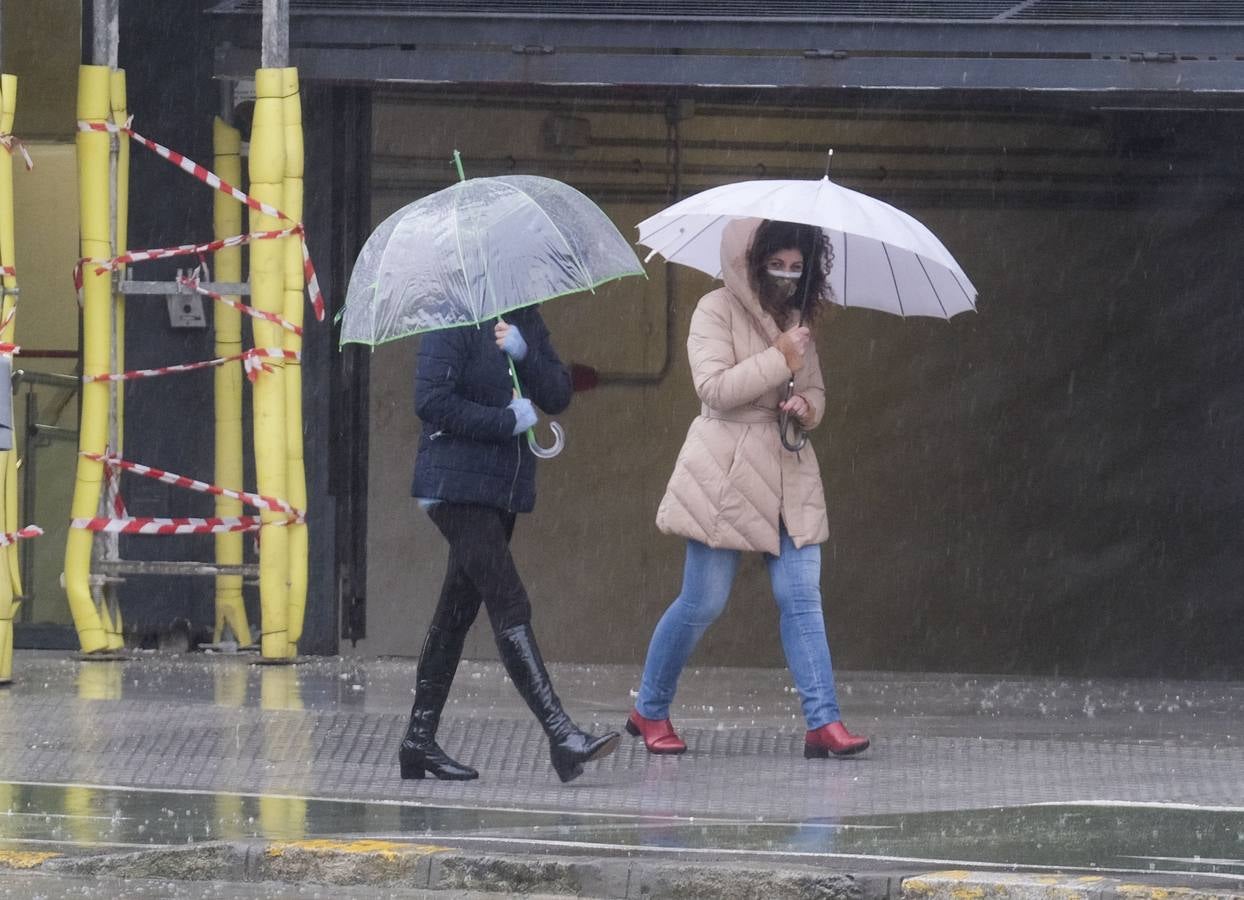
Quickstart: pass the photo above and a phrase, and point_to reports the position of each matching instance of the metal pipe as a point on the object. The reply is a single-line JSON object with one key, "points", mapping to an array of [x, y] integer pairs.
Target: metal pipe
{"points": [[675, 113], [50, 379], [275, 49], [29, 485], [105, 32]]}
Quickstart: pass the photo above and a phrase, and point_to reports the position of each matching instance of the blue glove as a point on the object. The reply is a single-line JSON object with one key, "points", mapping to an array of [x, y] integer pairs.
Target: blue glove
{"points": [[514, 344], [524, 414]]}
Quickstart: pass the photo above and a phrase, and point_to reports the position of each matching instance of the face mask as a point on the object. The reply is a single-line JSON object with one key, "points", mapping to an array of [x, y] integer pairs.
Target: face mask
{"points": [[783, 283]]}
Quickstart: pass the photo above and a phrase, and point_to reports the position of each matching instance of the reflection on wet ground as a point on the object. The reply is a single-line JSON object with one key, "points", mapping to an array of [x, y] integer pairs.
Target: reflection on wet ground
{"points": [[1107, 839], [164, 750]]}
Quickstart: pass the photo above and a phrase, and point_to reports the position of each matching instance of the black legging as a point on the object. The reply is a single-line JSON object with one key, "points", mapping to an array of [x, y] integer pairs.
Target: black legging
{"points": [[480, 569]]}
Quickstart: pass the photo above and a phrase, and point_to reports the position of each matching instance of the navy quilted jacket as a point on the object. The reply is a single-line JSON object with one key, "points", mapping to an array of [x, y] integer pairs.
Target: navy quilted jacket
{"points": [[467, 451]]}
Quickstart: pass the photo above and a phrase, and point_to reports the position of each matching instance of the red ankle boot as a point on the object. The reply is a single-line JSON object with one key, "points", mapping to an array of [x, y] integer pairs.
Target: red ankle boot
{"points": [[833, 738], [658, 734]]}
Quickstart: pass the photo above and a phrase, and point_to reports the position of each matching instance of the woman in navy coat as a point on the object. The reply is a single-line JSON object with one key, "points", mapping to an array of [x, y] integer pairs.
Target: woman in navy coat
{"points": [[473, 474]]}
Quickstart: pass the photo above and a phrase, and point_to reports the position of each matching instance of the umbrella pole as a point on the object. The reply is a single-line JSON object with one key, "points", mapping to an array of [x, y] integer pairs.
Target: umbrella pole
{"points": [[784, 418]]}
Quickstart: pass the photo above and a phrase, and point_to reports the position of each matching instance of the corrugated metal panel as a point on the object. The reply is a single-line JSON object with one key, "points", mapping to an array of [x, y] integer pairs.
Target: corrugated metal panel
{"points": [[1125, 11], [1032, 11]]}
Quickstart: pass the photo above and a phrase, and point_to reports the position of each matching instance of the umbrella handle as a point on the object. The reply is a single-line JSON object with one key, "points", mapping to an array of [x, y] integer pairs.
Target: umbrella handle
{"points": [[784, 423], [559, 442], [559, 434]]}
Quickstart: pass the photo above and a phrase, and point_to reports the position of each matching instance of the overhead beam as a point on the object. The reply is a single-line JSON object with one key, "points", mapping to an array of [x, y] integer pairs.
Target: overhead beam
{"points": [[416, 30], [581, 68]]}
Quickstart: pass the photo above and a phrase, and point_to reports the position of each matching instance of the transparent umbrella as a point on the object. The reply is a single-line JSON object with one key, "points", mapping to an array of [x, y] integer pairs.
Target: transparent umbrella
{"points": [[477, 250]]}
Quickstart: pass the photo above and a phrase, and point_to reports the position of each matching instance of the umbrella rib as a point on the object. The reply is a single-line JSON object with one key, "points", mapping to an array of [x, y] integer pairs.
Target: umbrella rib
{"points": [[681, 246], [967, 296], [897, 295], [532, 200], [717, 216], [462, 261], [932, 285]]}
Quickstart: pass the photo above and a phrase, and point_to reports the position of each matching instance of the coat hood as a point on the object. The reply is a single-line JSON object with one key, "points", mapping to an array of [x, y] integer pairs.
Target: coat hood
{"points": [[736, 240]]}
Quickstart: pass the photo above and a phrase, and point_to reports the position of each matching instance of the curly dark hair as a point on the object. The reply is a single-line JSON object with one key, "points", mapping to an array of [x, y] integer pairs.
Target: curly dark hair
{"points": [[818, 254]]}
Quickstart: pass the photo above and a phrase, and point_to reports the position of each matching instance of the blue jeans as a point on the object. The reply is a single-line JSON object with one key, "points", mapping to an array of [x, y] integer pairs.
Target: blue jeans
{"points": [[707, 578]]}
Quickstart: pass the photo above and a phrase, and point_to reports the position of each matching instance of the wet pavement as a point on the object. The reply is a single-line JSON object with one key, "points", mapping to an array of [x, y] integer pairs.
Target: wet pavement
{"points": [[1131, 778]]}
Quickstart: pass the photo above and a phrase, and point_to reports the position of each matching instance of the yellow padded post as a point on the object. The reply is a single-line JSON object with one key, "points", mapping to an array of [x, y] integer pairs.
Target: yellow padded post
{"points": [[118, 102], [267, 174], [227, 221], [94, 105], [296, 476]]}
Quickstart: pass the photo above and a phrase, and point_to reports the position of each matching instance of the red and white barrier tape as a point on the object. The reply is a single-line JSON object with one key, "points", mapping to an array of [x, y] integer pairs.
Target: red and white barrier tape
{"points": [[8, 270], [12, 142], [212, 180], [9, 349], [132, 256], [257, 500], [193, 284], [159, 526], [252, 363], [13, 537]]}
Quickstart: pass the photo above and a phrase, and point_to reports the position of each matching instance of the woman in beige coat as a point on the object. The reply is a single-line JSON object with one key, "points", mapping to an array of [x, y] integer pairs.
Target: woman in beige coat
{"points": [[736, 488]]}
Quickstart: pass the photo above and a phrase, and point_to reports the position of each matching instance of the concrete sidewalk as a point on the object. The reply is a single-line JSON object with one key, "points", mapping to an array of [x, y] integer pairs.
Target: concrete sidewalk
{"points": [[1111, 781]]}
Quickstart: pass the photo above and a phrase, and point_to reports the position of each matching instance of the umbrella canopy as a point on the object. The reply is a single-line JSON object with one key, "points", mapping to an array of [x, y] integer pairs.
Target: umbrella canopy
{"points": [[883, 258], [476, 250]]}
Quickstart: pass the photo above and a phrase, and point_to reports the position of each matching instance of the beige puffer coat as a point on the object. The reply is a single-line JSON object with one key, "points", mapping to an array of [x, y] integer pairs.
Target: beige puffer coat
{"points": [[733, 479]]}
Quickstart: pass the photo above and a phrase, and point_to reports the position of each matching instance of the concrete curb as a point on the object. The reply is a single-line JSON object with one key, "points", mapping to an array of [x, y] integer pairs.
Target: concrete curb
{"points": [[428, 866], [963, 885]]}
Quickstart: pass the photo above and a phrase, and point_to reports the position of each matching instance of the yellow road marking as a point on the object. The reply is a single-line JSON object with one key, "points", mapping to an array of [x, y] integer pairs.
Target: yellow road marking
{"points": [[383, 849], [25, 859]]}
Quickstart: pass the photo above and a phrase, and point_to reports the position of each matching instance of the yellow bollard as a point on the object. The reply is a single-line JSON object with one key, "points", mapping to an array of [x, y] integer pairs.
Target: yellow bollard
{"points": [[267, 173], [10, 582], [295, 283], [96, 232], [116, 393], [227, 221]]}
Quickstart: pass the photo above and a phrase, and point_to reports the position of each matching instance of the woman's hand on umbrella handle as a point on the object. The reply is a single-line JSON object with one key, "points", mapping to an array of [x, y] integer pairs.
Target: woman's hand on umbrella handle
{"points": [[510, 340], [797, 406], [524, 414], [794, 343]]}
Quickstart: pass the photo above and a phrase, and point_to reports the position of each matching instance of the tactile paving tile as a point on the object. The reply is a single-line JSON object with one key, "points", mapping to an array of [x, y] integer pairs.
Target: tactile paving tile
{"points": [[736, 772]]}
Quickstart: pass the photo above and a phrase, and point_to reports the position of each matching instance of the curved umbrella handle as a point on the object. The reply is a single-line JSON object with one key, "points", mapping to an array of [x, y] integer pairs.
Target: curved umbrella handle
{"points": [[796, 445], [784, 423], [559, 442]]}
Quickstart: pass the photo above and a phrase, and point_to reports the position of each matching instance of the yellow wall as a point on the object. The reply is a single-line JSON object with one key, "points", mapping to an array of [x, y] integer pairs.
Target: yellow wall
{"points": [[41, 47]]}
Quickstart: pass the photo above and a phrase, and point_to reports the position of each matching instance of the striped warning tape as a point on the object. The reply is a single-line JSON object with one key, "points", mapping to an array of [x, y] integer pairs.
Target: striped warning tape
{"points": [[193, 284], [8, 270], [257, 500], [12, 142], [7, 349], [252, 364], [166, 526], [13, 537], [132, 256], [212, 180]]}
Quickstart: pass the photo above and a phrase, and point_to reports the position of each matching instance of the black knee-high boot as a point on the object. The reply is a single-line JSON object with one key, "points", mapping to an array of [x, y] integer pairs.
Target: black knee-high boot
{"points": [[569, 748], [419, 752]]}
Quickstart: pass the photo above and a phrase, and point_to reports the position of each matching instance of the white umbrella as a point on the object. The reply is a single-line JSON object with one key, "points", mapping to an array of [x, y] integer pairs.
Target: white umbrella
{"points": [[883, 258]]}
